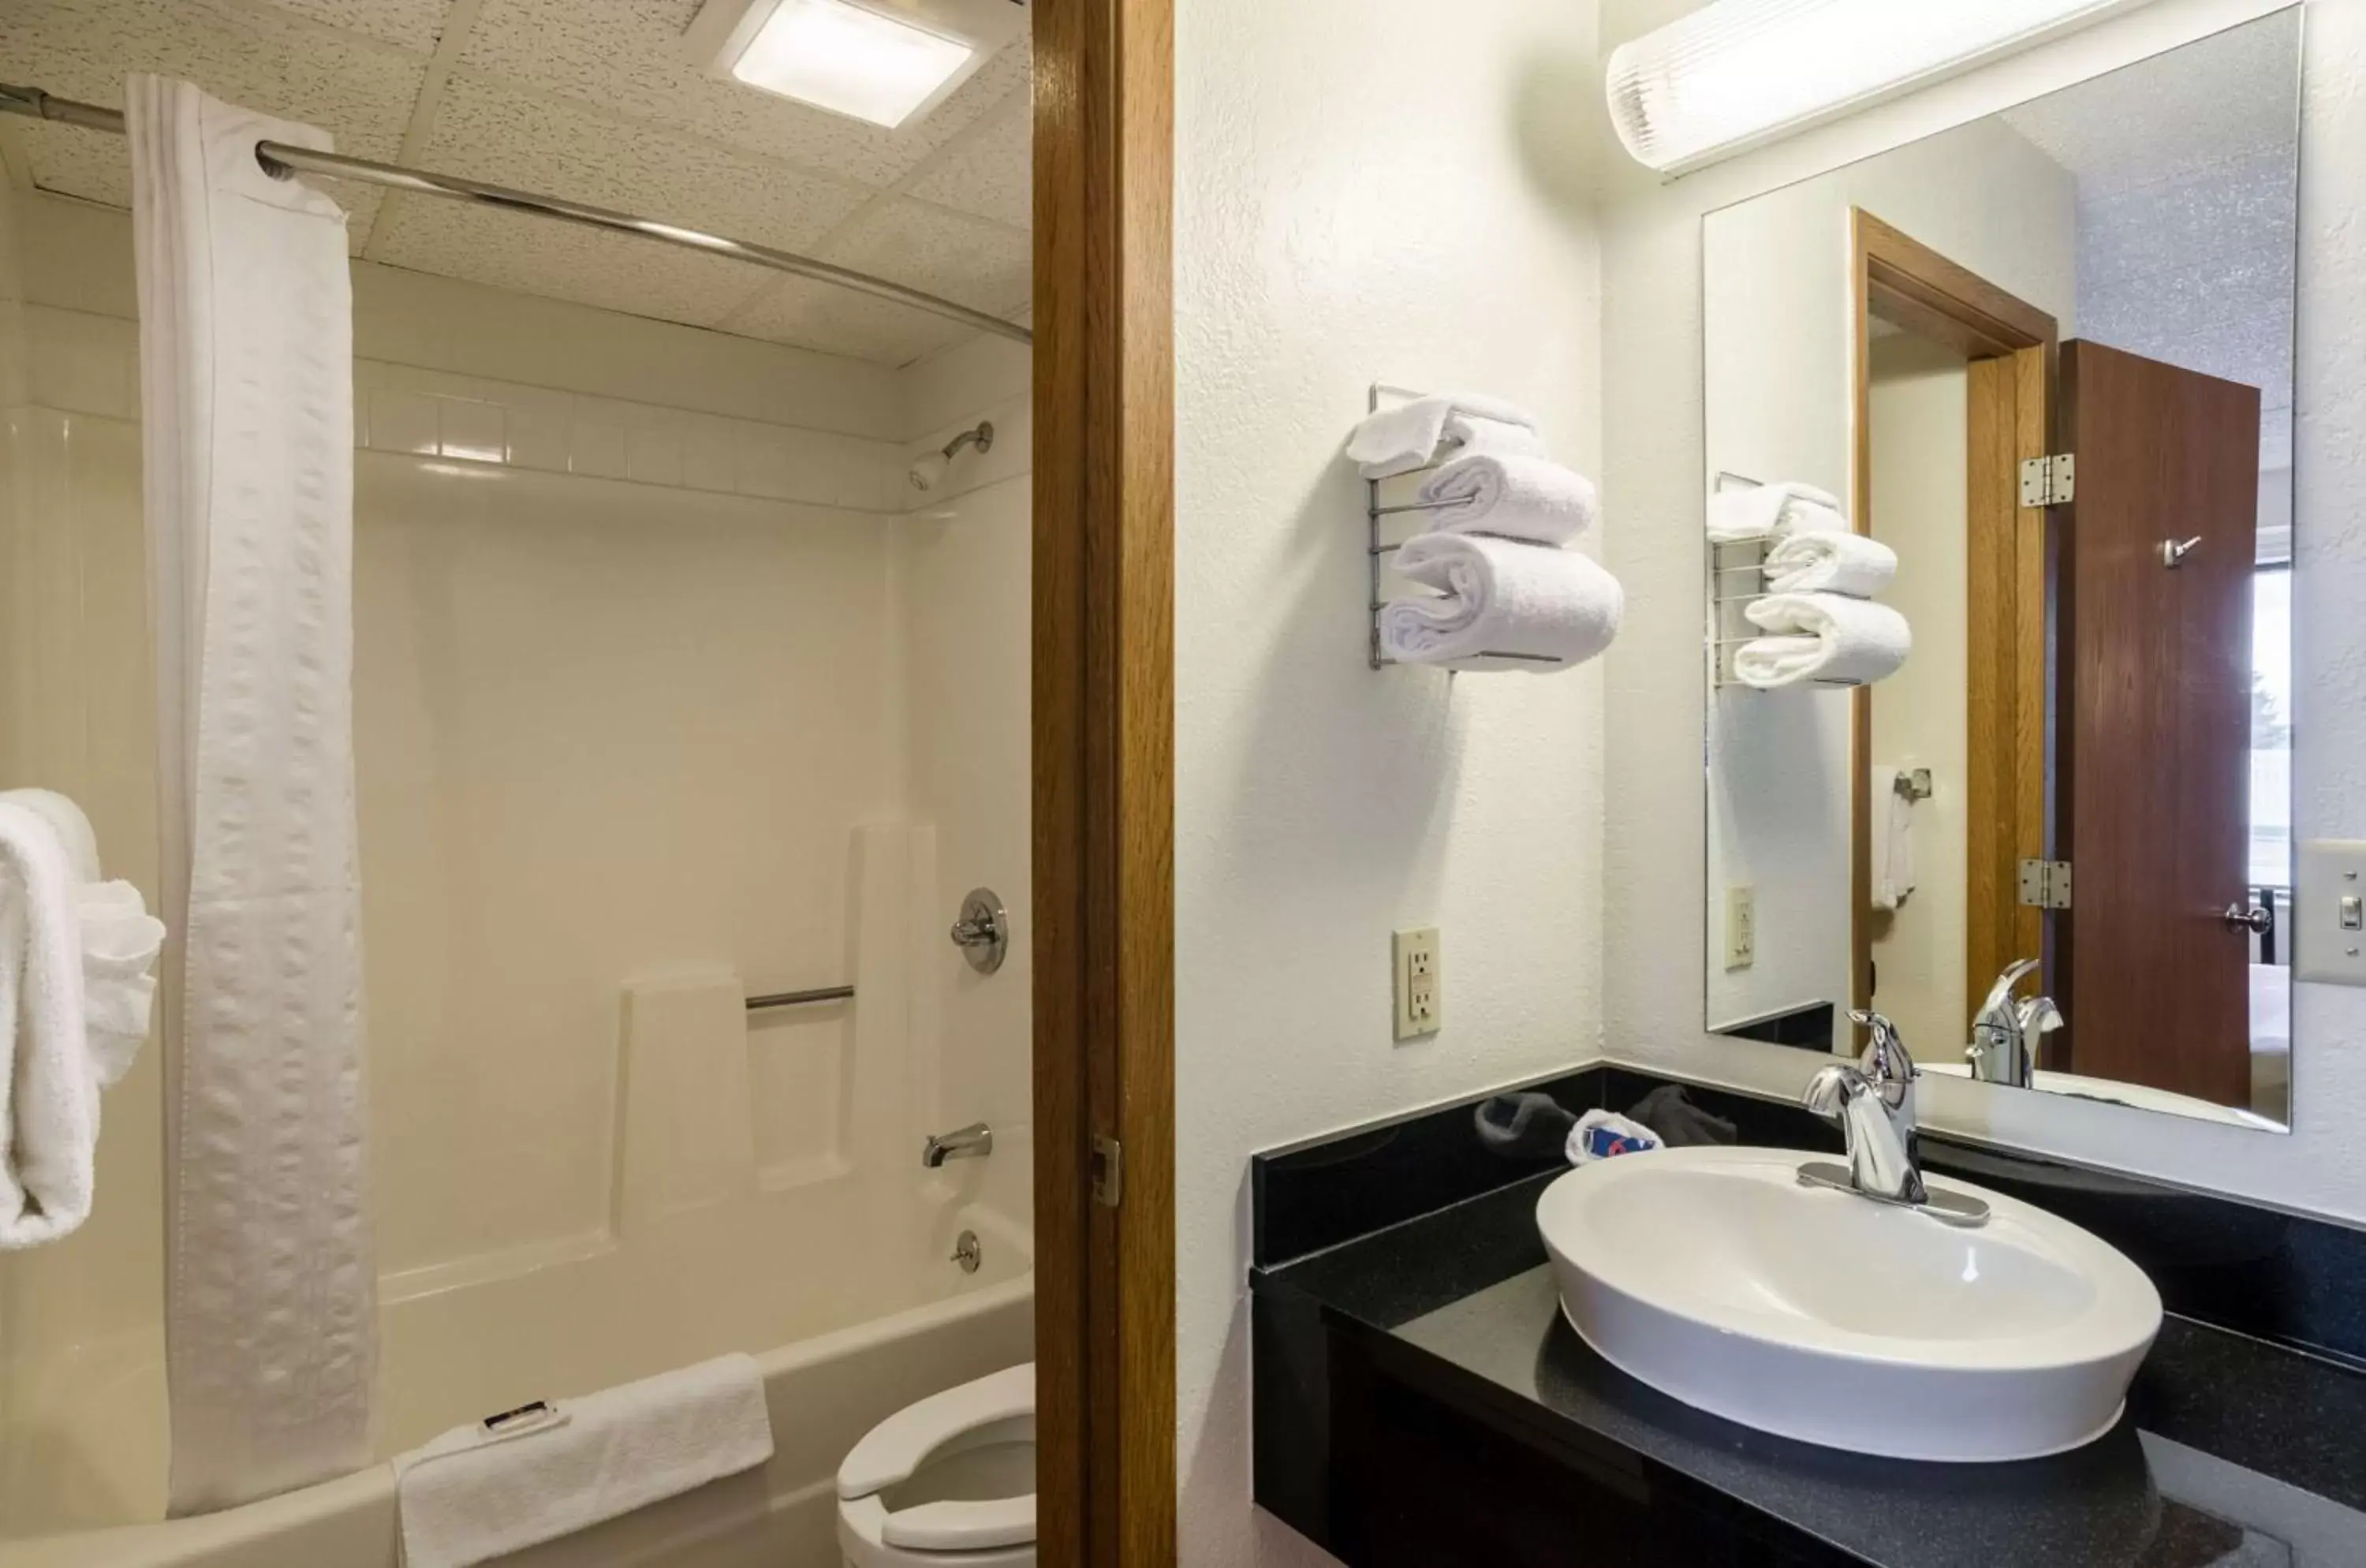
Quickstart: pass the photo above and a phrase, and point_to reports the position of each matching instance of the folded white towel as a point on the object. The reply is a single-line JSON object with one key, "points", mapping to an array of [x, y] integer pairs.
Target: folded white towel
{"points": [[48, 1093], [1892, 842], [1411, 435], [120, 940], [1821, 637], [1500, 596], [1820, 561], [72, 825], [1772, 512], [1517, 498], [508, 1483]]}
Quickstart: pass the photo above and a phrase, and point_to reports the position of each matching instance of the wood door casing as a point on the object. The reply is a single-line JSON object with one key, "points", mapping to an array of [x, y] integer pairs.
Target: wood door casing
{"points": [[2155, 691]]}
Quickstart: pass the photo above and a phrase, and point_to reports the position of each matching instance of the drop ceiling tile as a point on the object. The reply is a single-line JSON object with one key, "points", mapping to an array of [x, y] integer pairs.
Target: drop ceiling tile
{"points": [[989, 169], [626, 56], [413, 24], [560, 261], [488, 131], [839, 321], [972, 261], [360, 93]]}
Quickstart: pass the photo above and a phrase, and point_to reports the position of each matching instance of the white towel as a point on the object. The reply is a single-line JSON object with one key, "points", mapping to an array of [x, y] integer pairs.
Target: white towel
{"points": [[1411, 435], [1893, 841], [1821, 637], [48, 1093], [1820, 561], [503, 1484], [120, 940], [71, 824], [1772, 512], [1500, 597], [247, 448], [1516, 498]]}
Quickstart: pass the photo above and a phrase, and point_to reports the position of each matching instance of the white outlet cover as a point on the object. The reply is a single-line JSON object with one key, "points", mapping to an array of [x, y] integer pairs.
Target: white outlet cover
{"points": [[1419, 1001]]}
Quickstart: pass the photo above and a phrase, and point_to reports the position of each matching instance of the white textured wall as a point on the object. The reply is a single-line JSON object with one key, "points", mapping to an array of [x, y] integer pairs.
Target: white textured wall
{"points": [[1652, 346], [1362, 193]]}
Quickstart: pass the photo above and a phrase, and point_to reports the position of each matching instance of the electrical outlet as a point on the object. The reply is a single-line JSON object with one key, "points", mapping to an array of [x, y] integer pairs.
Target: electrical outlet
{"points": [[1741, 927], [1420, 983]]}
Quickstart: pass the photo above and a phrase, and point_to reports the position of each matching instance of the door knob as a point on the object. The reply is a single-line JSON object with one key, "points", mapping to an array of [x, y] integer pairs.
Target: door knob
{"points": [[2248, 917], [2174, 551]]}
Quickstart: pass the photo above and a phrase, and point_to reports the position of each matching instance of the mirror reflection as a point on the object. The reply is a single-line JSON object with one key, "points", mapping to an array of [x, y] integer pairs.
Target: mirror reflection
{"points": [[1998, 431]]}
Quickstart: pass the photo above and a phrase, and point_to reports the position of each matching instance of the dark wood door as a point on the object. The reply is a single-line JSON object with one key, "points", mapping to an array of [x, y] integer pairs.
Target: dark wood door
{"points": [[2155, 680]]}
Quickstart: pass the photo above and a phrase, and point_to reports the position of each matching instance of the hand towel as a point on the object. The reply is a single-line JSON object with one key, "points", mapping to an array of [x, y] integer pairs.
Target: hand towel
{"points": [[1821, 637], [1500, 596], [1822, 561], [510, 1482], [1772, 512], [246, 388], [1514, 498], [1411, 435], [1530, 1125], [1670, 1113], [48, 1093], [1892, 847]]}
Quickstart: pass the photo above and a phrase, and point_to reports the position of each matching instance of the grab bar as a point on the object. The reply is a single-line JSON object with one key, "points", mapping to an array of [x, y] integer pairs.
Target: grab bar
{"points": [[799, 998]]}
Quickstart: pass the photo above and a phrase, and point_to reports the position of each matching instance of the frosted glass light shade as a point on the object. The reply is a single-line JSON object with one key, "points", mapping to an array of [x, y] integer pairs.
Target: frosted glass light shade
{"points": [[1742, 72], [850, 59]]}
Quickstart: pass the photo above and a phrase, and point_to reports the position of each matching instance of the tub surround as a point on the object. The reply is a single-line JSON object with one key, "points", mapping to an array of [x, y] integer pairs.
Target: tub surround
{"points": [[1418, 1396]]}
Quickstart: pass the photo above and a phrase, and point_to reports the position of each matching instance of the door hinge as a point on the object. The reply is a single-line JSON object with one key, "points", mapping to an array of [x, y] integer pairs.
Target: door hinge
{"points": [[1108, 1170], [2045, 884], [2049, 481]]}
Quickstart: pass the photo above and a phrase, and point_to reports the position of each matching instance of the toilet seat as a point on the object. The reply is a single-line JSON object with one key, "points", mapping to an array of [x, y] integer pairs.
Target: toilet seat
{"points": [[996, 1409]]}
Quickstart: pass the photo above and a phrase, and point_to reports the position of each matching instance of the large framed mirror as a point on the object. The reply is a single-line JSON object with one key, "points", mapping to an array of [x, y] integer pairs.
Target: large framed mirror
{"points": [[1998, 597]]}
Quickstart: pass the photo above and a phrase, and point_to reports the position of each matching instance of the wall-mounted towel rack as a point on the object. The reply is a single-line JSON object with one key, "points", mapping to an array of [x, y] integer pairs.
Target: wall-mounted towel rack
{"points": [[1737, 576], [1374, 549], [801, 999]]}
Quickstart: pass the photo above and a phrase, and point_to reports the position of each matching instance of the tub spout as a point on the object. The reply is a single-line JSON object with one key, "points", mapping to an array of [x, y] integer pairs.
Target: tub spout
{"points": [[972, 1142]]}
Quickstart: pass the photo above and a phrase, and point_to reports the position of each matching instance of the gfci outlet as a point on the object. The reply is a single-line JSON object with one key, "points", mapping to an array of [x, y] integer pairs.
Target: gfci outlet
{"points": [[1741, 927], [1420, 983]]}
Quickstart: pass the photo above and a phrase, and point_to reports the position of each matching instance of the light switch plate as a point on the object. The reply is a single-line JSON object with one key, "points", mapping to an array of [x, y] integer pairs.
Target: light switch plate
{"points": [[2331, 872], [1420, 981]]}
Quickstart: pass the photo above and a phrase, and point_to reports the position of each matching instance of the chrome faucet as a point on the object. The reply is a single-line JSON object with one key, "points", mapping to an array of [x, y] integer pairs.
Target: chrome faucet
{"points": [[1874, 1103], [2004, 1030], [973, 1142]]}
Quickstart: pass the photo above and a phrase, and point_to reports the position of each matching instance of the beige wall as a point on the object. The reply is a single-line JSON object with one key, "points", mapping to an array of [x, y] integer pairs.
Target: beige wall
{"points": [[1652, 340], [647, 638], [1919, 400], [1354, 205]]}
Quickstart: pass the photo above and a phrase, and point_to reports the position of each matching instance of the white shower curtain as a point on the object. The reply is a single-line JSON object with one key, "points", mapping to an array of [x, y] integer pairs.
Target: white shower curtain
{"points": [[246, 399]]}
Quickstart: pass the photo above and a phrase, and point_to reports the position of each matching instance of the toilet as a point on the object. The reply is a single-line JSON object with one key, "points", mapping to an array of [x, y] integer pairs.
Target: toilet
{"points": [[949, 1480]]}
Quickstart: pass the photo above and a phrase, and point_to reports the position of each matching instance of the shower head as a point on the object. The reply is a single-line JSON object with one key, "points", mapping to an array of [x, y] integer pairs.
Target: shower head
{"points": [[925, 473]]}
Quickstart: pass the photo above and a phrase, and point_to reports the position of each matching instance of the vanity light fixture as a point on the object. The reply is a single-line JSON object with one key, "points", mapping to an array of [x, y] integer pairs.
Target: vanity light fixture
{"points": [[1740, 73], [887, 61]]}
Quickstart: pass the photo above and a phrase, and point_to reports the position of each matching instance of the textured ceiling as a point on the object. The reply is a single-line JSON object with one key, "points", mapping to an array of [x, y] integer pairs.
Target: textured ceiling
{"points": [[2187, 167], [592, 99]]}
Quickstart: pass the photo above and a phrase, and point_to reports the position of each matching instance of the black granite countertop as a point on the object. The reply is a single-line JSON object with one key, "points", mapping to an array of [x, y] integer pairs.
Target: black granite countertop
{"points": [[2233, 1453]]}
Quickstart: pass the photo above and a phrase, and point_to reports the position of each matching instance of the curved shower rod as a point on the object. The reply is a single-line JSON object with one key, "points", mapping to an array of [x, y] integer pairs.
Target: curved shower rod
{"points": [[279, 159]]}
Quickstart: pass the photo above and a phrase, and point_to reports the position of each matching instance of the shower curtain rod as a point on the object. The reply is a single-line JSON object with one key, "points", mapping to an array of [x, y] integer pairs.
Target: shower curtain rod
{"points": [[279, 159]]}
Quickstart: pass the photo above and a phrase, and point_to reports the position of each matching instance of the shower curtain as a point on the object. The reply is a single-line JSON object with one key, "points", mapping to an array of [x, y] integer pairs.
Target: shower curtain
{"points": [[246, 402]]}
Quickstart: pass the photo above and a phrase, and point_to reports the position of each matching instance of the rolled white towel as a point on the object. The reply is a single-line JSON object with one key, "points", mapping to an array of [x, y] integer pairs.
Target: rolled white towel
{"points": [[49, 1092], [1518, 498], [1821, 637], [1772, 512], [120, 940], [1411, 435], [1500, 596], [1822, 561]]}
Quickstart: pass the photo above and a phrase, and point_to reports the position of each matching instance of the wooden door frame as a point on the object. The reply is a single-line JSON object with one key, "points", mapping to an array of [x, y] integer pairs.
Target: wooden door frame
{"points": [[1103, 746], [1903, 281]]}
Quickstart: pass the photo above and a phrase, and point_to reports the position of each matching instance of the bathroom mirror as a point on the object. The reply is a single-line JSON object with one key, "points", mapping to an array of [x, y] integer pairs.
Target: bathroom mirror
{"points": [[2045, 359]]}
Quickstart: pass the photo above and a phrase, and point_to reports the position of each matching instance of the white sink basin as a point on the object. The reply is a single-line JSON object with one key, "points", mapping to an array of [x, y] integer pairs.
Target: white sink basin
{"points": [[1713, 1275]]}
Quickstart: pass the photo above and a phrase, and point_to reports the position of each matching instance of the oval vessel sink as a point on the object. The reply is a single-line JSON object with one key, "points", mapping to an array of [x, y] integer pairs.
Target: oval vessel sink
{"points": [[1714, 1276]]}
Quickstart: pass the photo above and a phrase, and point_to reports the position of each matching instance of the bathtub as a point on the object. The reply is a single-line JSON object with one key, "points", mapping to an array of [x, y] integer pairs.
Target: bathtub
{"points": [[455, 1350]]}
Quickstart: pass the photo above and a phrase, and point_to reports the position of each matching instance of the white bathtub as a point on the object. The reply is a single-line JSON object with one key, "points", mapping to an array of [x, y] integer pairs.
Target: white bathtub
{"points": [[586, 1323]]}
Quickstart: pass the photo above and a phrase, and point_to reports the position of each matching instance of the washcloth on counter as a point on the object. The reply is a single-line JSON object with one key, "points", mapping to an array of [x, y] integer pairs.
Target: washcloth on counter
{"points": [[1514, 497], [1824, 562], [1500, 596], [1821, 637]]}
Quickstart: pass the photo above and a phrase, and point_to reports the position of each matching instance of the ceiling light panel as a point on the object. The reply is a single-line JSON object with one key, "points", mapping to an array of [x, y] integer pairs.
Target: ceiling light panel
{"points": [[885, 61]]}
